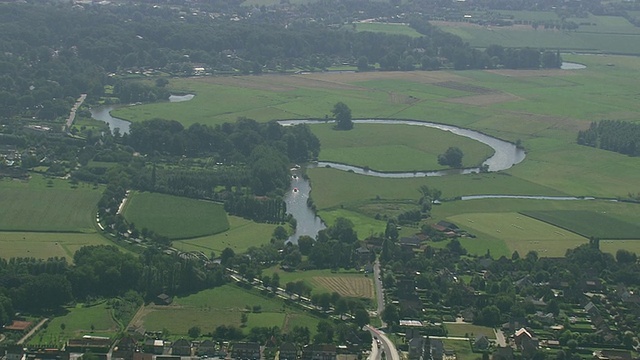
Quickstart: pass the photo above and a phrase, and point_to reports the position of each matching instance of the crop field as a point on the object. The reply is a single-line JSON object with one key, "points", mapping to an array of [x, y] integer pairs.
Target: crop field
{"points": [[395, 147], [520, 233], [78, 321], [588, 223], [175, 217], [35, 205], [43, 245], [221, 306], [359, 287], [322, 281], [242, 234]]}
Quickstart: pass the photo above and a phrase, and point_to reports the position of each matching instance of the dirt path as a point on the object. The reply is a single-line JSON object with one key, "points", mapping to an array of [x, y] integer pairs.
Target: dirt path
{"points": [[72, 114], [32, 331]]}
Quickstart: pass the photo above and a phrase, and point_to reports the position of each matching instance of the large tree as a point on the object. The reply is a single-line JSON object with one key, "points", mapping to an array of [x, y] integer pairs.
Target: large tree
{"points": [[342, 114], [452, 157]]}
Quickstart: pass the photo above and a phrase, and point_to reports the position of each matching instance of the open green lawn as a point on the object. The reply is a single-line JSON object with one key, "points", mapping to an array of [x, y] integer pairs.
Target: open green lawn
{"points": [[612, 34], [175, 217], [588, 223], [469, 330], [35, 205], [395, 147], [78, 321], [389, 28], [223, 306], [242, 234], [362, 224], [43, 245]]}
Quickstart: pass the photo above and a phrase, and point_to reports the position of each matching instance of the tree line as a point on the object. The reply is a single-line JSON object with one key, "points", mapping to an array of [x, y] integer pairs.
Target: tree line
{"points": [[613, 135]]}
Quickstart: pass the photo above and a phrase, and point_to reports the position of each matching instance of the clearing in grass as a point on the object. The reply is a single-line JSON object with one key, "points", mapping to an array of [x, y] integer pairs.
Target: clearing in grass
{"points": [[175, 217]]}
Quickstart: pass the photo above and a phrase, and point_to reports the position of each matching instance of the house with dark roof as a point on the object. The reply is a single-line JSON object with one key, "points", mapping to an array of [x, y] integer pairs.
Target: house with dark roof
{"points": [[245, 350], [206, 347], [481, 342], [163, 299], [288, 351], [181, 347], [319, 352], [416, 348], [125, 348]]}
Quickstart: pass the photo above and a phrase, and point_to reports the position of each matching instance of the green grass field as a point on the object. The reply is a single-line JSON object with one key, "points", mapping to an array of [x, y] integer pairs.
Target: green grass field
{"points": [[78, 321], [608, 34], [588, 223], [389, 28], [175, 217], [36, 205], [469, 330], [242, 234], [223, 306], [317, 279], [543, 110], [43, 245], [395, 147]]}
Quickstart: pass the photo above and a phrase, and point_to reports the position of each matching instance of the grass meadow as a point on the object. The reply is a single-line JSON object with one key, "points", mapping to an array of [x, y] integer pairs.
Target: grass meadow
{"points": [[389, 28], [588, 223], [175, 217], [469, 330], [395, 147], [223, 306], [76, 322], [37, 205], [242, 234], [43, 245], [542, 110]]}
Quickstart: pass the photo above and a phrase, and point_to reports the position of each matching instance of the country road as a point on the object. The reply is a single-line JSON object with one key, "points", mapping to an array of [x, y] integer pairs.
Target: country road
{"points": [[72, 114], [32, 331], [388, 347]]}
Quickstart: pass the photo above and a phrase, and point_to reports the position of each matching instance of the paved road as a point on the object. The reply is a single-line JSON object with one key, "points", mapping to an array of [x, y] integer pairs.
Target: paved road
{"points": [[379, 289], [500, 338], [72, 114], [32, 331], [375, 354], [389, 348]]}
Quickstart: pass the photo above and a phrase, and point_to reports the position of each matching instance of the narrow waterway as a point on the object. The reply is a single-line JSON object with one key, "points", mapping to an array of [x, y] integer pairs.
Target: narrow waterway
{"points": [[308, 223]]}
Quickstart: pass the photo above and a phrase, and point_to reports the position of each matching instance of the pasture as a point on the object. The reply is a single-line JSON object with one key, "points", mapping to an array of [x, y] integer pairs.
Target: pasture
{"points": [[222, 306], [47, 205], [520, 233], [175, 217], [588, 223], [389, 28], [395, 147], [43, 245], [76, 322], [242, 234], [542, 110]]}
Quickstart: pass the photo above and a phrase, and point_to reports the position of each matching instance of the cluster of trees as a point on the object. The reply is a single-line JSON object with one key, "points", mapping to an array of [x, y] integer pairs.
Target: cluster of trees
{"points": [[36, 285], [451, 157], [256, 208], [613, 135]]}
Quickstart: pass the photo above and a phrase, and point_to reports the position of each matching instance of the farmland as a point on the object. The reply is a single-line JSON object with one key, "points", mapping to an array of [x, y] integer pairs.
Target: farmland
{"points": [[47, 206], [588, 223], [221, 306], [345, 283], [395, 147], [43, 245], [241, 235], [176, 217]]}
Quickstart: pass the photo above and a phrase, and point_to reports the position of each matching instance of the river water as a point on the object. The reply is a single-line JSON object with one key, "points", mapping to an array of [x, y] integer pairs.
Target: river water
{"points": [[103, 113], [308, 223], [505, 154]]}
